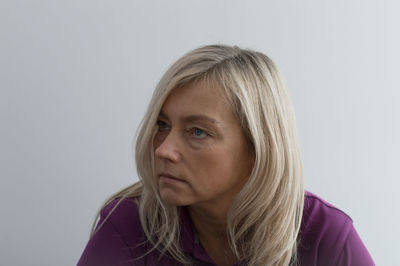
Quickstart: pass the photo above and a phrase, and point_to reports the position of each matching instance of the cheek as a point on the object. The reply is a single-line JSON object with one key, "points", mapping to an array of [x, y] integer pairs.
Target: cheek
{"points": [[230, 166], [212, 169]]}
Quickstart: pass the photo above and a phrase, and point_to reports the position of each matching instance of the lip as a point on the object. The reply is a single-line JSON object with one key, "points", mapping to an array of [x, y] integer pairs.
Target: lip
{"points": [[169, 178]]}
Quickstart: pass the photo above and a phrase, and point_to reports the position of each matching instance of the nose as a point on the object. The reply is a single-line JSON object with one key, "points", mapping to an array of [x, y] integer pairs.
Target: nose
{"points": [[167, 148]]}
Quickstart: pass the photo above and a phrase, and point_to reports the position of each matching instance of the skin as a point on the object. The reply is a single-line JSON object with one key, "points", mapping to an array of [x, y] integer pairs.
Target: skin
{"points": [[202, 159]]}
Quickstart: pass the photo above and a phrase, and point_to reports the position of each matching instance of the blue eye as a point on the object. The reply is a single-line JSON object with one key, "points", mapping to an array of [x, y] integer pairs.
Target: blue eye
{"points": [[199, 133], [162, 126]]}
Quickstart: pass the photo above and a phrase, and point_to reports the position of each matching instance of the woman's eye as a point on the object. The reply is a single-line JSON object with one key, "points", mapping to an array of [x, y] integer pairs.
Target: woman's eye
{"points": [[162, 126], [199, 133]]}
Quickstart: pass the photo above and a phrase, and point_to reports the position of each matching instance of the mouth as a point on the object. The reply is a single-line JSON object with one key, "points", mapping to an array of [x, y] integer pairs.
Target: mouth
{"points": [[166, 177]]}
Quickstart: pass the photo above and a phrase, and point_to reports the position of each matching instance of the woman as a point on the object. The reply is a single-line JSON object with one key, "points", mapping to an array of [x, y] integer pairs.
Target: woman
{"points": [[221, 178]]}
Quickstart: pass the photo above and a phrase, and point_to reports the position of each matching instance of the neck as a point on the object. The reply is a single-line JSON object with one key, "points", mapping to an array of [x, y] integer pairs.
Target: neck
{"points": [[209, 222], [210, 225]]}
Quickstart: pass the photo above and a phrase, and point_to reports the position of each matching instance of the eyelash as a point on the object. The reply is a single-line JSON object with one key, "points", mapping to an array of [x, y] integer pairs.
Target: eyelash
{"points": [[192, 130]]}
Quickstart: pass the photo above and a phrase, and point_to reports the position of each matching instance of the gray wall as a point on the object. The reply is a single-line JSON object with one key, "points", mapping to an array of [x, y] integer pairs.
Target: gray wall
{"points": [[76, 76]]}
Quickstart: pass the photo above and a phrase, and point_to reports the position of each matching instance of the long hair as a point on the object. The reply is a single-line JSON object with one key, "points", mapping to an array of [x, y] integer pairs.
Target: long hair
{"points": [[264, 219]]}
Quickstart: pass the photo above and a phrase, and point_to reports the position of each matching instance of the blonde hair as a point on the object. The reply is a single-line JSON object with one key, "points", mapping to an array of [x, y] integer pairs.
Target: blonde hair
{"points": [[264, 219]]}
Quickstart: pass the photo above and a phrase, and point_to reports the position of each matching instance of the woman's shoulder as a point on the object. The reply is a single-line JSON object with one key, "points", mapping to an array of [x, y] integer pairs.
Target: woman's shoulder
{"points": [[317, 210], [327, 234], [117, 236], [324, 222], [123, 205], [122, 213]]}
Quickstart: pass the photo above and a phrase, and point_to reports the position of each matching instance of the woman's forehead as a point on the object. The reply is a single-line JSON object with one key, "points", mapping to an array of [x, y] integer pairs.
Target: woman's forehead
{"points": [[197, 100]]}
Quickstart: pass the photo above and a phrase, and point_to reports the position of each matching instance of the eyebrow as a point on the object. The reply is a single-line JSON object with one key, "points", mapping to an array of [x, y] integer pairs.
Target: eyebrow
{"points": [[192, 118]]}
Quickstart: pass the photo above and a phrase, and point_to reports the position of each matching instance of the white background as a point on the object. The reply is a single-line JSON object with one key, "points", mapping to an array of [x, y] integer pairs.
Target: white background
{"points": [[76, 77]]}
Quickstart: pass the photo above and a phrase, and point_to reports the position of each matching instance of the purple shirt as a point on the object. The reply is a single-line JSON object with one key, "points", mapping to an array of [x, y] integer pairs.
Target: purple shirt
{"points": [[327, 237]]}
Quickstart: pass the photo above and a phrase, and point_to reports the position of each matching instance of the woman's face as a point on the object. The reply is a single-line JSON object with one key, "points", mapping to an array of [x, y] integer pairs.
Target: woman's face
{"points": [[201, 153]]}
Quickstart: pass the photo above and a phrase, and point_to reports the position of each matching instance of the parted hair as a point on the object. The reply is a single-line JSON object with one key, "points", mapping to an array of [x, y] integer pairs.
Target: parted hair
{"points": [[264, 219]]}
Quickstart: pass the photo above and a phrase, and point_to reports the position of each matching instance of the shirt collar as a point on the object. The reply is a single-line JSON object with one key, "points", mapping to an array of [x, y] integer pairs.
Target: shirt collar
{"points": [[190, 241]]}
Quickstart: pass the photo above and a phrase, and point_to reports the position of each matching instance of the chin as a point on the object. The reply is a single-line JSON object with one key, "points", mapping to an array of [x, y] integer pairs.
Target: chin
{"points": [[172, 198]]}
